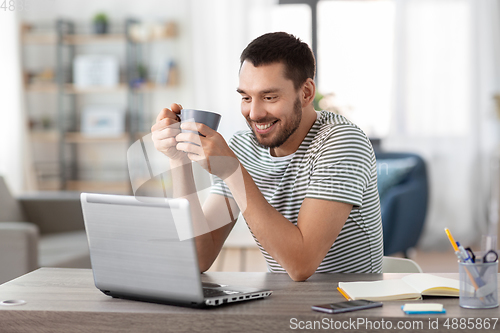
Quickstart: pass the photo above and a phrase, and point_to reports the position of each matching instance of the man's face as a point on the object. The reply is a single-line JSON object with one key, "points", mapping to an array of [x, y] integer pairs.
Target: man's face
{"points": [[269, 103]]}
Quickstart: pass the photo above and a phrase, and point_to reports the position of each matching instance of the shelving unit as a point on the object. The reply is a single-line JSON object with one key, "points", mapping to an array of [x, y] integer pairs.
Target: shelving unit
{"points": [[78, 160], [39, 38]]}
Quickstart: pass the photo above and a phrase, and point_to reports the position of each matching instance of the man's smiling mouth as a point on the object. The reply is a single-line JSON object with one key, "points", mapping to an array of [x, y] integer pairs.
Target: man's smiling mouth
{"points": [[263, 127]]}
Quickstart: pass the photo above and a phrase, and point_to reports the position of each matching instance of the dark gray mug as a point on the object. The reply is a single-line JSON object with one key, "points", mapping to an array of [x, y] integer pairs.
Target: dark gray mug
{"points": [[211, 119]]}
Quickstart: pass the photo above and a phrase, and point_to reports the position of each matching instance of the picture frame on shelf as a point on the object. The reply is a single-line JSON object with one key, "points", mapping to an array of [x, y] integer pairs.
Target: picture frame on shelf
{"points": [[103, 121]]}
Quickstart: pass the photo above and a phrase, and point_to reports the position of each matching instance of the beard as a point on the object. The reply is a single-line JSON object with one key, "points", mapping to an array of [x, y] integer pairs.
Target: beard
{"points": [[290, 126]]}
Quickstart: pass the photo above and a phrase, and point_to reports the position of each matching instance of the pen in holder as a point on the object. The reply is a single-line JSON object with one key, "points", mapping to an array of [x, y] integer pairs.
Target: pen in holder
{"points": [[478, 280], [478, 284]]}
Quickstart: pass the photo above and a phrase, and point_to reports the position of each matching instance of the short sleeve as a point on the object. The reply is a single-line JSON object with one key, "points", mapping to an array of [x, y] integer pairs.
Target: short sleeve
{"points": [[341, 167]]}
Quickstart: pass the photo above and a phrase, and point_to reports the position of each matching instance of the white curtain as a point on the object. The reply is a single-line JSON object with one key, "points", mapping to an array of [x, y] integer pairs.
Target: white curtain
{"points": [[447, 65], [14, 146], [221, 29]]}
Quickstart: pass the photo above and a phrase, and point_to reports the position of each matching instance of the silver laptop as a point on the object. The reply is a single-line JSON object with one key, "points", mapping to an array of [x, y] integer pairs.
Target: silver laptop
{"points": [[136, 252]]}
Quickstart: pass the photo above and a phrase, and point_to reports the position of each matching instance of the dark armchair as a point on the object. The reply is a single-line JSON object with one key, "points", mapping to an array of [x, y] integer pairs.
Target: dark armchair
{"points": [[403, 189]]}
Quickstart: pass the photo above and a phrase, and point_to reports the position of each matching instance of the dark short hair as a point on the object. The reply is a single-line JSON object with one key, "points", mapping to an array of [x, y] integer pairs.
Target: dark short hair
{"points": [[281, 47]]}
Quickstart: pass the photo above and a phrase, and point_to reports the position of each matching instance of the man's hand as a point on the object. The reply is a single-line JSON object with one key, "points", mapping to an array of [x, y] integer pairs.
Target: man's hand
{"points": [[209, 149], [164, 131]]}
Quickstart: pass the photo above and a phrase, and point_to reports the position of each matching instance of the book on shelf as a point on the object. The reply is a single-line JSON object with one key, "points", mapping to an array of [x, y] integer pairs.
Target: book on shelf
{"points": [[412, 286]]}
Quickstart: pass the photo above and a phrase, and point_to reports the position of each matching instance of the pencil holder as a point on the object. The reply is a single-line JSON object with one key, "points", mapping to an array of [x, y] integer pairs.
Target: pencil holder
{"points": [[478, 285]]}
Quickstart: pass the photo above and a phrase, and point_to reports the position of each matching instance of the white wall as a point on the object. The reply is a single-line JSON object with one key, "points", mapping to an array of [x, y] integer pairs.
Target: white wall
{"points": [[11, 103]]}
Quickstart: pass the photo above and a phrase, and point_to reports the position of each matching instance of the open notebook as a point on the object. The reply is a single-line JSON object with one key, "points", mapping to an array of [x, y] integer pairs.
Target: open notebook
{"points": [[410, 287]]}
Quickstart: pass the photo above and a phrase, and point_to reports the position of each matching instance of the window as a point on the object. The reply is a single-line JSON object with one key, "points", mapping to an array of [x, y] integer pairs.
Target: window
{"points": [[294, 19], [355, 61]]}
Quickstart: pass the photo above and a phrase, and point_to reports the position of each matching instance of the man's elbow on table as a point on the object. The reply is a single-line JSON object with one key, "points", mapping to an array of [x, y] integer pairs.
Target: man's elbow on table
{"points": [[204, 268], [304, 264], [300, 274], [204, 263]]}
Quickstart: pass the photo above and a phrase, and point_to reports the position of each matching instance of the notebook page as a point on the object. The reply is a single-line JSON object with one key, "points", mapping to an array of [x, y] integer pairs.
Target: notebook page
{"points": [[379, 290], [423, 282]]}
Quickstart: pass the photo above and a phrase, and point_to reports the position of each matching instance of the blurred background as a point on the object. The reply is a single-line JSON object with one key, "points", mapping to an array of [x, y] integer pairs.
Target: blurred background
{"points": [[82, 80]]}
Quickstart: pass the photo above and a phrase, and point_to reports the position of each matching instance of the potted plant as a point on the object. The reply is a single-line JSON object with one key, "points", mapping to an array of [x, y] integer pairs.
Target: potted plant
{"points": [[100, 23], [141, 75]]}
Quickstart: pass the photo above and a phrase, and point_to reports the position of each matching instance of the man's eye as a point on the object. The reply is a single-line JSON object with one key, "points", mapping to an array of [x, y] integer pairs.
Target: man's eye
{"points": [[269, 98], [245, 99]]}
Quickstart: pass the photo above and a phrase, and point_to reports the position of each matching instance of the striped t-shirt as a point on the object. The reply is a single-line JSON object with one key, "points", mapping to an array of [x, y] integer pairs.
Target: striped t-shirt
{"points": [[334, 162]]}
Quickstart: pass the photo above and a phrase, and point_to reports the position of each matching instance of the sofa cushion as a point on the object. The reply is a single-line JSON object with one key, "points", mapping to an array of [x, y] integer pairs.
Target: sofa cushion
{"points": [[53, 212], [18, 249], [10, 209], [65, 249]]}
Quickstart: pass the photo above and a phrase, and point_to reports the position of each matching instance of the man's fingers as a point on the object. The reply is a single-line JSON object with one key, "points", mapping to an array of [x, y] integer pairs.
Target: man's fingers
{"points": [[165, 133], [166, 113], [162, 114], [176, 108], [189, 147], [172, 113], [189, 137], [165, 144], [197, 127], [165, 123]]}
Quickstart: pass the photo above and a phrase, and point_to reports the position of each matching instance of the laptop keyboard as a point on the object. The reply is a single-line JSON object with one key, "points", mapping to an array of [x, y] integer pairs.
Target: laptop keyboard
{"points": [[209, 292], [212, 285]]}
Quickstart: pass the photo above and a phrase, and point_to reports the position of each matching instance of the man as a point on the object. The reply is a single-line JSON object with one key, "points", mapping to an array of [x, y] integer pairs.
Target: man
{"points": [[310, 187]]}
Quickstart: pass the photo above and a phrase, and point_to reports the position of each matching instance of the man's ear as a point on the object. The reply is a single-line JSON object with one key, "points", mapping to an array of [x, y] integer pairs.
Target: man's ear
{"points": [[308, 92]]}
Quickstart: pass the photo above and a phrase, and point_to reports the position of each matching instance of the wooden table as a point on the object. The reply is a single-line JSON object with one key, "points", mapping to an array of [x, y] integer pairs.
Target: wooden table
{"points": [[66, 300]]}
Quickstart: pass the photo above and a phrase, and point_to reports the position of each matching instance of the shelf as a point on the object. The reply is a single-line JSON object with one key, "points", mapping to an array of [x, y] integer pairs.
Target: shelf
{"points": [[44, 136], [116, 187], [151, 87], [82, 39], [93, 38], [152, 40], [76, 137], [71, 89], [40, 38], [48, 87], [49, 185]]}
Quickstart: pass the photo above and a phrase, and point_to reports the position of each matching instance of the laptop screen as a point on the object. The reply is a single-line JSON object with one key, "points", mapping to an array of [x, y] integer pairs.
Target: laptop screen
{"points": [[136, 247]]}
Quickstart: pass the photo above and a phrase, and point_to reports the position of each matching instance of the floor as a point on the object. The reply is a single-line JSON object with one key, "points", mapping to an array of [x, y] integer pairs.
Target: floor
{"points": [[233, 259]]}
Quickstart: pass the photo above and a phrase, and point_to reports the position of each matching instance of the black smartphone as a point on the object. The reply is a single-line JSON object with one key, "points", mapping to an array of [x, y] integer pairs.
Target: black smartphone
{"points": [[346, 306]]}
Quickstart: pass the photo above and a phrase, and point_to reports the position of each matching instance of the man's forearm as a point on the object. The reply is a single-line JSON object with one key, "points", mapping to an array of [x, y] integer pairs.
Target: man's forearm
{"points": [[184, 187], [281, 238], [182, 178]]}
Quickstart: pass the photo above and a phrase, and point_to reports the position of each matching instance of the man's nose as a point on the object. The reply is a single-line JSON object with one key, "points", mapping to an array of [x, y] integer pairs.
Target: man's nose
{"points": [[257, 111]]}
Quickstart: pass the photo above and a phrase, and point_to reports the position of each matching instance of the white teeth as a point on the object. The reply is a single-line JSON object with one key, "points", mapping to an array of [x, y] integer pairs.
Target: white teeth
{"points": [[263, 127]]}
